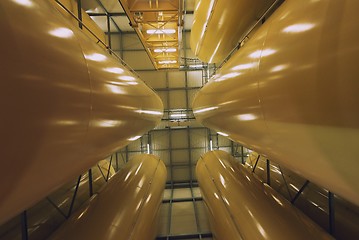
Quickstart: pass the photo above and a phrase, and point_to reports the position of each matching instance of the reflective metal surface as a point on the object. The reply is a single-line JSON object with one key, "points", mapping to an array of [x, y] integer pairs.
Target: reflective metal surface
{"points": [[313, 201], [126, 208], [65, 103], [218, 25], [291, 93], [242, 207]]}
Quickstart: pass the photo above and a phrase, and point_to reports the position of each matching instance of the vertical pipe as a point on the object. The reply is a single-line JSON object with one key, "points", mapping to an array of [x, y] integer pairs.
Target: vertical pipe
{"points": [[331, 213], [109, 32], [268, 172], [90, 182], [79, 13], [255, 165], [24, 229], [242, 154], [74, 196]]}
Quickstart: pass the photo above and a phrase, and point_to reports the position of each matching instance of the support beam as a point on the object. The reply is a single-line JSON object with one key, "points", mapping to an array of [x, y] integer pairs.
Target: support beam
{"points": [[300, 192]]}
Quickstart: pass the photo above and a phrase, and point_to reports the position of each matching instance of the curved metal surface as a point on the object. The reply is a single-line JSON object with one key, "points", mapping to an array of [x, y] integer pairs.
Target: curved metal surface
{"points": [[313, 201], [292, 92], [219, 24], [65, 103], [255, 209], [125, 209]]}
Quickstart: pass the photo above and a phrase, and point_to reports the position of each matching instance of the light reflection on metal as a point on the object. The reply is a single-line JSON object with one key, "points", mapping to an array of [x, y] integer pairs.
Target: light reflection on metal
{"points": [[114, 70], [297, 28], [62, 32], [26, 3], [97, 57], [134, 138]]}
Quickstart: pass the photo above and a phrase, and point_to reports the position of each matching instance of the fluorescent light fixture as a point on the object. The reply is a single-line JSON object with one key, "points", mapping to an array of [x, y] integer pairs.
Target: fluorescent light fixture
{"points": [[167, 50], [178, 115], [96, 57], [297, 28], [62, 32], [223, 134], [114, 70], [127, 78], [148, 148], [161, 31], [167, 62], [134, 138], [210, 145]]}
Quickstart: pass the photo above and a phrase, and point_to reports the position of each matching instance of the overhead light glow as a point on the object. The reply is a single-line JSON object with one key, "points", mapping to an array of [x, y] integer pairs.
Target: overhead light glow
{"points": [[167, 50], [114, 70], [127, 78], [26, 3], [244, 66], [161, 31], [246, 117], [204, 110], [134, 138], [167, 62], [279, 68], [223, 134], [297, 28], [151, 112], [96, 57], [262, 53], [62, 32], [178, 115]]}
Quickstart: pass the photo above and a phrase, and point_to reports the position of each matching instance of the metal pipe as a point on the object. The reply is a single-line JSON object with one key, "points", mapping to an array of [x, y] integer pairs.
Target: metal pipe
{"points": [[294, 83], [127, 207], [74, 118], [241, 207]]}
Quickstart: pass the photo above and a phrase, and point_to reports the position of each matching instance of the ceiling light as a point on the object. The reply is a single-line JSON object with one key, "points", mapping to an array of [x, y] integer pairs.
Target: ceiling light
{"points": [[167, 50], [167, 62], [161, 31]]}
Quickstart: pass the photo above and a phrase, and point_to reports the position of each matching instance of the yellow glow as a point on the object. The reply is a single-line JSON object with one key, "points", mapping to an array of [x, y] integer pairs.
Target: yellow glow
{"points": [[297, 28], [161, 31], [26, 3], [223, 134], [62, 32], [97, 57], [246, 117], [127, 78], [244, 66], [134, 138], [204, 110], [114, 70], [262, 53]]}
